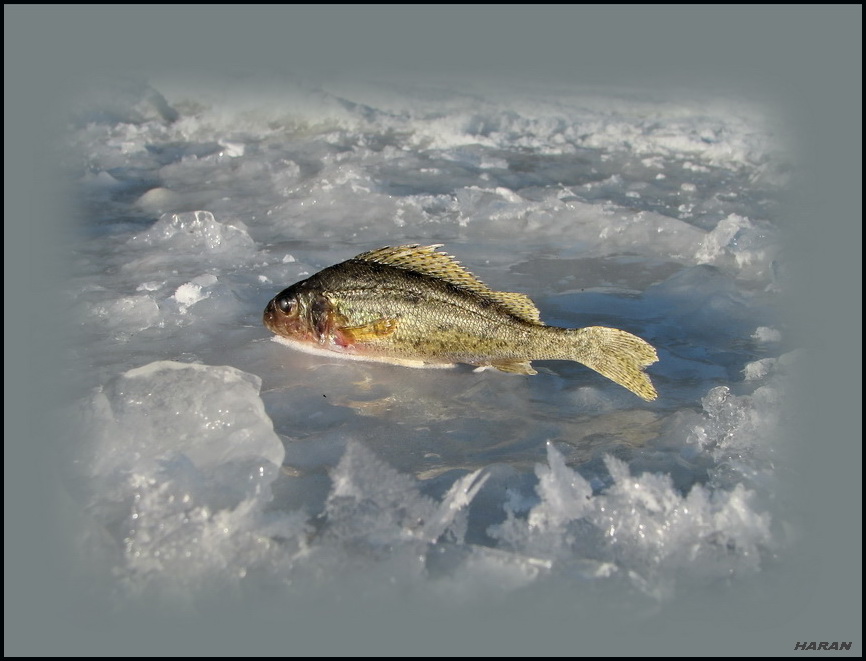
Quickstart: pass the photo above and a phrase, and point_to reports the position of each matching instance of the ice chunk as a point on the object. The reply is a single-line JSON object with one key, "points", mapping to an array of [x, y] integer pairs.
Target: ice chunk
{"points": [[159, 199], [233, 149], [642, 527], [564, 494], [655, 533], [100, 181], [182, 547], [740, 432], [746, 247], [564, 498], [128, 314], [190, 293], [376, 518], [196, 230], [758, 369], [461, 493], [766, 335], [176, 464], [718, 240], [371, 499], [212, 416]]}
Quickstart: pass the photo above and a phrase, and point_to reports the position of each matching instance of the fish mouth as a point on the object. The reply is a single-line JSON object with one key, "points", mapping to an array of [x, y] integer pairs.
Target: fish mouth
{"points": [[268, 318], [276, 322]]}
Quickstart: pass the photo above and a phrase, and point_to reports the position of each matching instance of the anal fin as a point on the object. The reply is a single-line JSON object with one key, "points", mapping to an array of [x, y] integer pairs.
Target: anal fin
{"points": [[514, 366]]}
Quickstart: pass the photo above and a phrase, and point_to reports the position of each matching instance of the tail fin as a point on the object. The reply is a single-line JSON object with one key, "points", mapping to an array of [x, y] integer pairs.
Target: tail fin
{"points": [[618, 355]]}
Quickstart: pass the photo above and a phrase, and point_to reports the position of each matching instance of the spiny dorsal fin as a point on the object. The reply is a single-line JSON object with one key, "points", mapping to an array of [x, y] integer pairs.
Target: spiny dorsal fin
{"points": [[426, 260]]}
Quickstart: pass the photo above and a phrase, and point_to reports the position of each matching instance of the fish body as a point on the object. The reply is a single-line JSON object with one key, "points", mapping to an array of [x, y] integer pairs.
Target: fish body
{"points": [[413, 305]]}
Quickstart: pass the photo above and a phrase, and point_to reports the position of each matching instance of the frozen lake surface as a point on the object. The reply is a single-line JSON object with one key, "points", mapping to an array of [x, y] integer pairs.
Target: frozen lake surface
{"points": [[211, 460]]}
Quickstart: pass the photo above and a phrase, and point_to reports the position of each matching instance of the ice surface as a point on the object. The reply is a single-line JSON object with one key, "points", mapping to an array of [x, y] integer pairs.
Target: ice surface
{"points": [[213, 461]]}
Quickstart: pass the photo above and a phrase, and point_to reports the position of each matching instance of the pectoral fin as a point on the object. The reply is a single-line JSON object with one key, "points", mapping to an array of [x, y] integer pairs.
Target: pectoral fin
{"points": [[375, 330], [515, 367]]}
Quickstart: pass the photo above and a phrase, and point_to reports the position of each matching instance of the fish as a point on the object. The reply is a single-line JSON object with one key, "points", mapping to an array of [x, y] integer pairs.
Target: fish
{"points": [[415, 306]]}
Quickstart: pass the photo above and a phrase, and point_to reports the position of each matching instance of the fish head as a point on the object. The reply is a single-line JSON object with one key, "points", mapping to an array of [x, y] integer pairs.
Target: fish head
{"points": [[286, 314], [300, 313]]}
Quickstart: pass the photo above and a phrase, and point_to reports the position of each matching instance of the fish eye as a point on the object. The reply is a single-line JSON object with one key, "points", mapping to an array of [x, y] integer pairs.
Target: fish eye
{"points": [[285, 304]]}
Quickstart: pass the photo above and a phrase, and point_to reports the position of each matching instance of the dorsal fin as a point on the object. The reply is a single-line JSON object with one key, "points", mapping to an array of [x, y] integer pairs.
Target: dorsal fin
{"points": [[426, 260], [520, 305]]}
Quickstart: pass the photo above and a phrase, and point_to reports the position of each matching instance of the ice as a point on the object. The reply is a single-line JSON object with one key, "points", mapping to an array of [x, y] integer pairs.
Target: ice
{"points": [[213, 463], [134, 313], [765, 334], [641, 526], [210, 415], [753, 248], [191, 293], [197, 230], [177, 466], [373, 510]]}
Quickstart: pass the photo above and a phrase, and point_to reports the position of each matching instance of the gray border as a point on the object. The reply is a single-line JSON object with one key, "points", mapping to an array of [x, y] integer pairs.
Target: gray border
{"points": [[806, 60]]}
